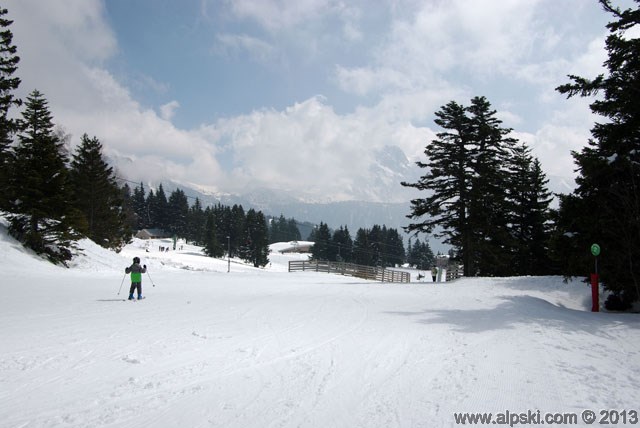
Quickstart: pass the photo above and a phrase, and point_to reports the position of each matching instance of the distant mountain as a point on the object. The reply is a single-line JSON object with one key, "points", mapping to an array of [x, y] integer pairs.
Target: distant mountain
{"points": [[353, 214], [376, 197]]}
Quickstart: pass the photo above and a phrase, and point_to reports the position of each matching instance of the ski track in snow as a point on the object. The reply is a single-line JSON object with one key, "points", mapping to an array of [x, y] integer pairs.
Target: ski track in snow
{"points": [[265, 348]]}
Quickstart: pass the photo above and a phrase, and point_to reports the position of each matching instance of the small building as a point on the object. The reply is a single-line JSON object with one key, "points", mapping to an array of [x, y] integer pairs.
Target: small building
{"points": [[152, 234], [298, 247]]}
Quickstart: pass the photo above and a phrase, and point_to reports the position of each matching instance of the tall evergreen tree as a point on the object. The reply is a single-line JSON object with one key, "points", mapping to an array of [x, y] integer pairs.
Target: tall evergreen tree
{"points": [[469, 172], [131, 219], [224, 224], [158, 208], [196, 221], [140, 207], [256, 250], [420, 255], [8, 84], [177, 212], [97, 196], [362, 253], [236, 219], [278, 230], [530, 215], [539, 221], [447, 181], [212, 247], [341, 239], [376, 245], [607, 198], [488, 211], [393, 248], [292, 230], [283, 230], [321, 249], [38, 185]]}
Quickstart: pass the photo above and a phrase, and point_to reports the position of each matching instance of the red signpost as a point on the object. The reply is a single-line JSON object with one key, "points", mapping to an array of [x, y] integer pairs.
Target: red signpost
{"points": [[595, 298], [595, 295]]}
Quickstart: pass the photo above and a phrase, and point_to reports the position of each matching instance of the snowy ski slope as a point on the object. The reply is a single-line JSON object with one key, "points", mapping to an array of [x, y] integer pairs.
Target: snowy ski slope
{"points": [[266, 348]]}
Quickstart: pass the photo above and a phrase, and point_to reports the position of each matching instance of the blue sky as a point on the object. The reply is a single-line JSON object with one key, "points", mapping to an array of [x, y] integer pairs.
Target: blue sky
{"points": [[298, 95]]}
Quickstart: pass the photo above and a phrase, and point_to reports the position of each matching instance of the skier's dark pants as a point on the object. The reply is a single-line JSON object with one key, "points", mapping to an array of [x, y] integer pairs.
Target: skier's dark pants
{"points": [[136, 286]]}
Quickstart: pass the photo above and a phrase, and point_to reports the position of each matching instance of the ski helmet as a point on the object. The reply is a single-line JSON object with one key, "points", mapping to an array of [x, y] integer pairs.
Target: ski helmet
{"points": [[136, 259]]}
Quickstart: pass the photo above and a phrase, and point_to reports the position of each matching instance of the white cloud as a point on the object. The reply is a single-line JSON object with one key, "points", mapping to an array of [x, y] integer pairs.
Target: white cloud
{"points": [[236, 44], [56, 58], [55, 44], [311, 27], [279, 15], [155, 148], [308, 148], [78, 27], [480, 37], [169, 109], [438, 52], [365, 80], [553, 142]]}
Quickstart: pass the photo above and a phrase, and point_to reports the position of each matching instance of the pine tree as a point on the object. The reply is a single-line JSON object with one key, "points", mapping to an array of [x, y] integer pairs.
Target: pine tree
{"points": [[321, 249], [256, 250], [292, 230], [38, 185], [212, 247], [420, 255], [530, 215], [362, 254], [97, 196], [158, 207], [177, 212], [539, 220], [283, 230], [224, 226], [394, 248], [277, 230], [447, 180], [488, 211], [607, 197], [140, 207], [8, 84], [236, 227], [469, 172], [196, 222], [130, 217], [341, 239]]}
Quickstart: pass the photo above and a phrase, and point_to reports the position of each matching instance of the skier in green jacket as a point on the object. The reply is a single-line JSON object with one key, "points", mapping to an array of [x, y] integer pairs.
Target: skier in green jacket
{"points": [[136, 272]]}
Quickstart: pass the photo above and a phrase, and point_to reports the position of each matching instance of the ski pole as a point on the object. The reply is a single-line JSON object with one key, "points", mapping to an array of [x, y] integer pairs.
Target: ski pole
{"points": [[120, 289], [150, 279]]}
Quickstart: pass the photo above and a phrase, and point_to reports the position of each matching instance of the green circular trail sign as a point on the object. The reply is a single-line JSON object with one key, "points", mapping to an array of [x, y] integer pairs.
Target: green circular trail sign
{"points": [[595, 250]]}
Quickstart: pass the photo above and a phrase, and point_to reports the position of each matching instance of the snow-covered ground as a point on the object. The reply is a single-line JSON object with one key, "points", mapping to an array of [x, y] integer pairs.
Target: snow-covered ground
{"points": [[267, 348]]}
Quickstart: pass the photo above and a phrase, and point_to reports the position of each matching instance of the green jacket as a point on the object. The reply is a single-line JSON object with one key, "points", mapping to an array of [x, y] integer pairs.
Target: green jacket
{"points": [[136, 272]]}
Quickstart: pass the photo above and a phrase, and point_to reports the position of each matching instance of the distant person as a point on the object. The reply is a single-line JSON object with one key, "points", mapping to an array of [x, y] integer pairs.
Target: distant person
{"points": [[434, 273], [136, 272]]}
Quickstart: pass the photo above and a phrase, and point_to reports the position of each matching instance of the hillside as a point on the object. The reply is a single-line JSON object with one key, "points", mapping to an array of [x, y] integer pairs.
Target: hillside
{"points": [[266, 348]]}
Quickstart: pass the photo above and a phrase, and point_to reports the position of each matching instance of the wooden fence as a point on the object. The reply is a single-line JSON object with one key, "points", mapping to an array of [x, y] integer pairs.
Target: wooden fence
{"points": [[454, 272], [350, 269]]}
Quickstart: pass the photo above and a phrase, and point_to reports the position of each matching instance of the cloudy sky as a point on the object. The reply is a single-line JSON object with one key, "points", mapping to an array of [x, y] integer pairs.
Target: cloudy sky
{"points": [[296, 95]]}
